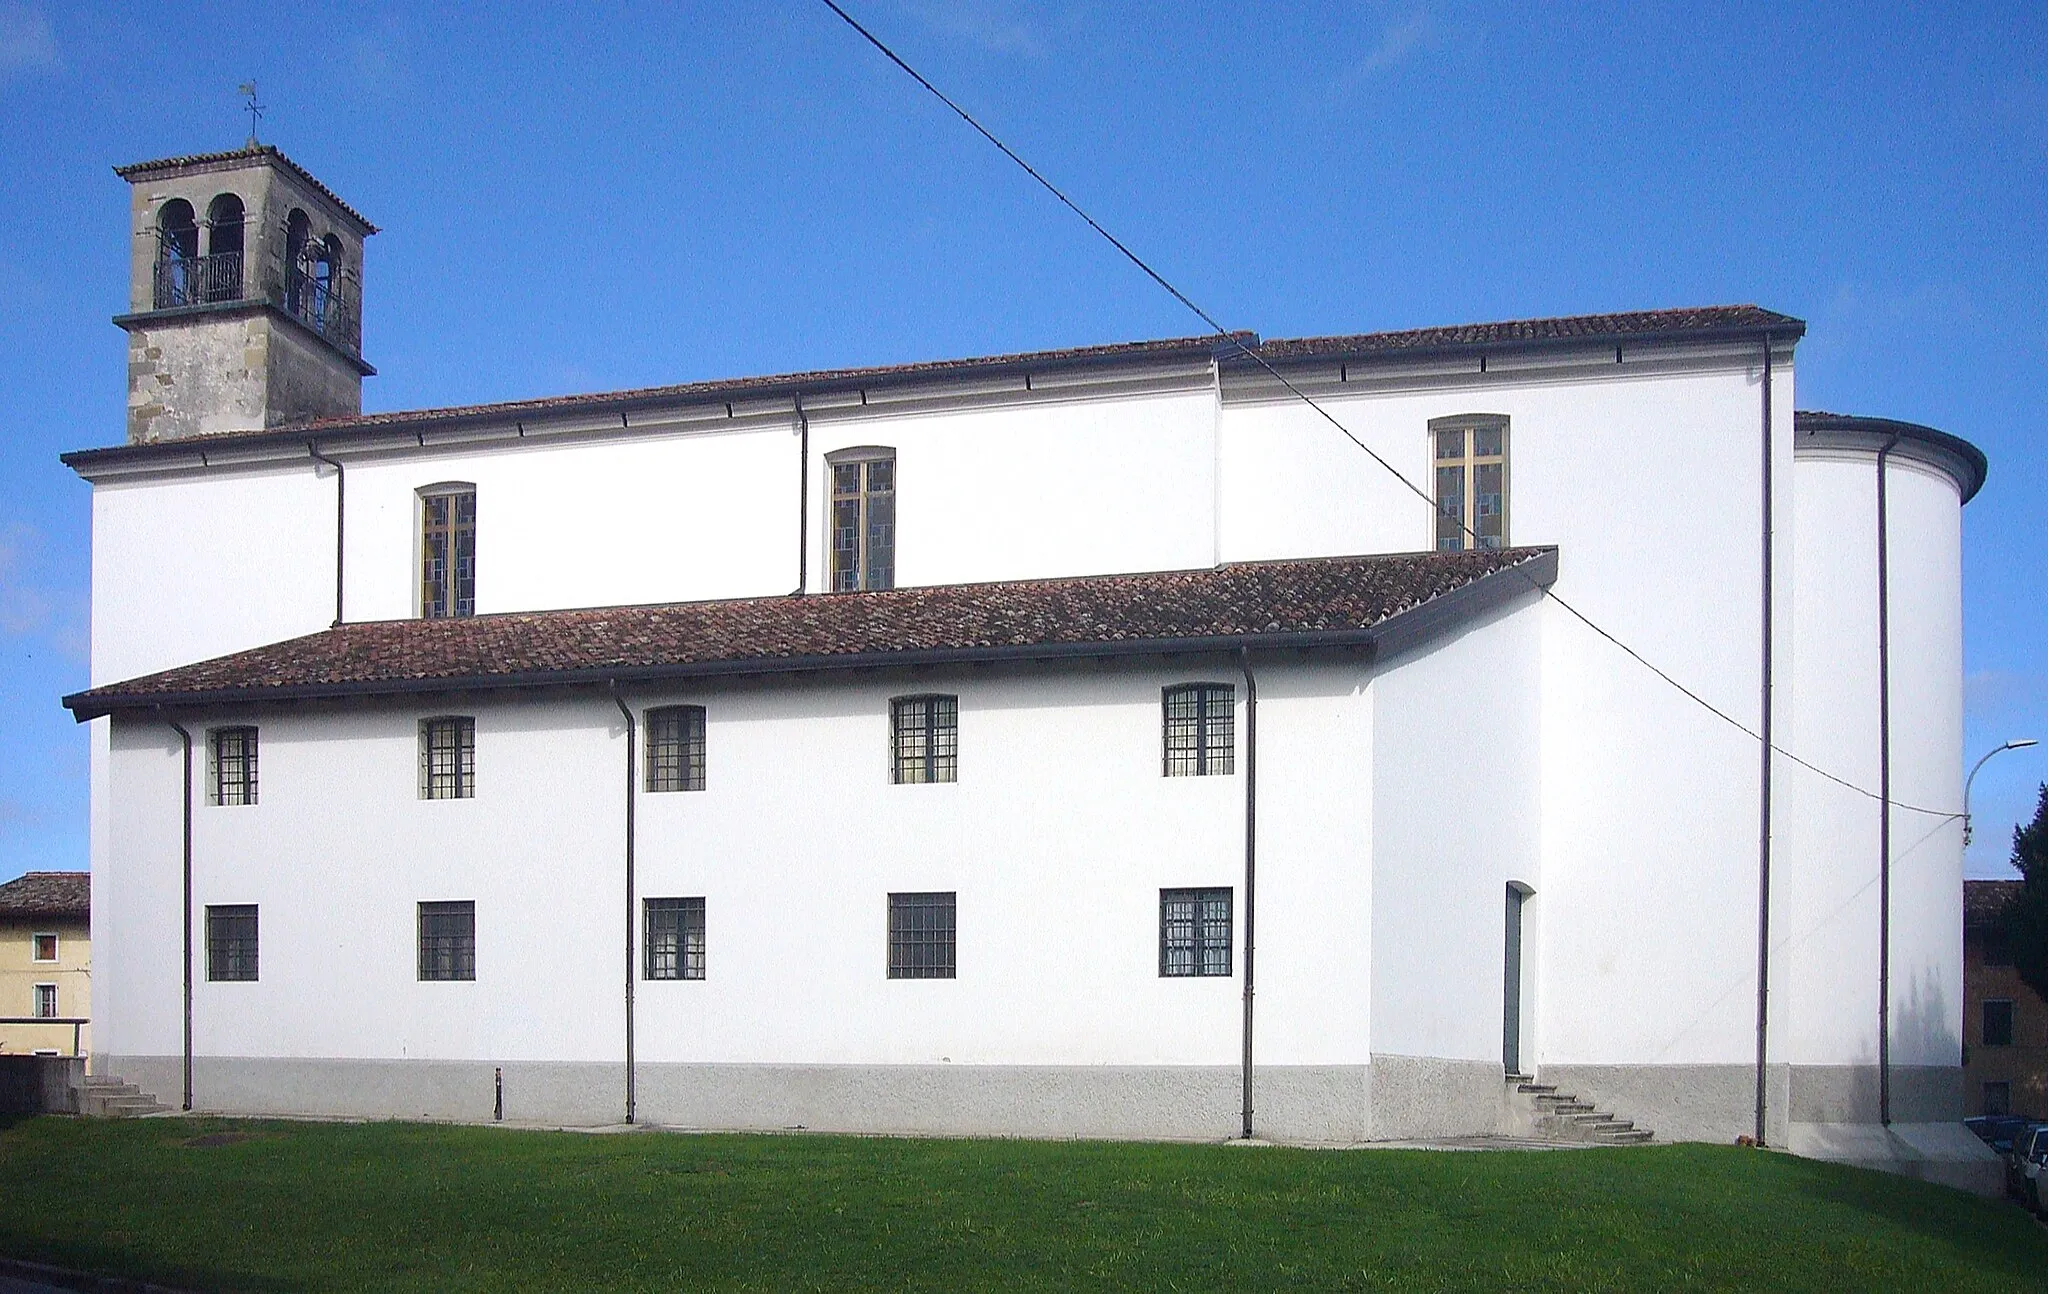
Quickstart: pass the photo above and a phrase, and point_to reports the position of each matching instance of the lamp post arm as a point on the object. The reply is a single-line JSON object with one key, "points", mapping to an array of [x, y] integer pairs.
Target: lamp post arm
{"points": [[1969, 781]]}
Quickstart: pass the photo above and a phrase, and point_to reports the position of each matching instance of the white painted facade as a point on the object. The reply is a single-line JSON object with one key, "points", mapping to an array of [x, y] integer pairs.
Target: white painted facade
{"points": [[1398, 796]]}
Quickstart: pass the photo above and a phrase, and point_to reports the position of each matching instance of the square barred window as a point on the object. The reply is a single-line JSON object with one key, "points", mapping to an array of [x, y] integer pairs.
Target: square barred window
{"points": [[448, 758], [231, 755], [921, 936], [924, 739], [675, 748], [1199, 729], [231, 941], [674, 943], [448, 941], [1194, 932]]}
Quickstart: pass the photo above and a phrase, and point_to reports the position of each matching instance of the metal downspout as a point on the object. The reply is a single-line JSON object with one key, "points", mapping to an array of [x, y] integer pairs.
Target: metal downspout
{"points": [[803, 498], [632, 748], [1884, 795], [1763, 833], [1251, 862], [340, 503], [186, 736]]}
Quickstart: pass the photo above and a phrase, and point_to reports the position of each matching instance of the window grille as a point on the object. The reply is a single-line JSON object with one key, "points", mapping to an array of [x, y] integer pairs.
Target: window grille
{"points": [[448, 554], [448, 758], [925, 739], [1471, 482], [1998, 1022], [448, 941], [44, 948], [1194, 932], [674, 944], [675, 748], [921, 936], [231, 941], [232, 753], [1200, 727], [46, 1001], [863, 519]]}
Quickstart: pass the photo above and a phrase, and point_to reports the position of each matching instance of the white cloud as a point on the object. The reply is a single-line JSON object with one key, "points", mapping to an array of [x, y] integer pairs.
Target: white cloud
{"points": [[28, 42], [1400, 38]]}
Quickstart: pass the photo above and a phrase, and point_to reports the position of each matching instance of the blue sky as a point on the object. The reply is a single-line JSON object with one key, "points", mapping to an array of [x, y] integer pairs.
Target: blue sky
{"points": [[639, 195]]}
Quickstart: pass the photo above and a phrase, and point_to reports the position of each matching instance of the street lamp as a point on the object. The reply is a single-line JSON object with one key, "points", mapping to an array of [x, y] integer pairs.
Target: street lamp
{"points": [[1996, 750]]}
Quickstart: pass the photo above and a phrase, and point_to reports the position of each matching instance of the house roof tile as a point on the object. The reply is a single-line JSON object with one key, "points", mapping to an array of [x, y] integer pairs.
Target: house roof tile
{"points": [[48, 895], [1335, 600], [252, 152], [1984, 902]]}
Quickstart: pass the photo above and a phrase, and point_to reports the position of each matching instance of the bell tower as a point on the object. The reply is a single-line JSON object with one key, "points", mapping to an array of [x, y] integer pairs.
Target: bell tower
{"points": [[245, 296]]}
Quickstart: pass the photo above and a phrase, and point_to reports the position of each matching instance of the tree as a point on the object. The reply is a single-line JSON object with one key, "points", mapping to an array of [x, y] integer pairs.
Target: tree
{"points": [[2026, 921]]}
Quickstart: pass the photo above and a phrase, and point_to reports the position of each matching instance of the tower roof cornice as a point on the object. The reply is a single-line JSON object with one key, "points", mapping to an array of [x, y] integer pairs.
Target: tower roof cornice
{"points": [[270, 154]]}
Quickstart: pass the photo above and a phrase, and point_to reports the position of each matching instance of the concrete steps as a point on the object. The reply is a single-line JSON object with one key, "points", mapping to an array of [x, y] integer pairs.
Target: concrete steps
{"points": [[110, 1098], [1562, 1116]]}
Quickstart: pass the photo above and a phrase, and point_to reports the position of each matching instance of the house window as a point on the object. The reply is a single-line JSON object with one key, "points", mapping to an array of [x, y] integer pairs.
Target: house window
{"points": [[1998, 1098], [231, 941], [232, 754], [43, 948], [448, 758], [921, 936], [46, 1001], [1471, 482], [924, 738], [1194, 932], [1997, 1022], [863, 518], [1198, 729], [448, 552], [1997, 949], [675, 939], [448, 941], [675, 748]]}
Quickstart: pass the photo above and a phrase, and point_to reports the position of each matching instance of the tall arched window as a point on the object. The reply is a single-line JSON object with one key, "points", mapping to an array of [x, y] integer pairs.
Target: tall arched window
{"points": [[863, 517], [1471, 459], [221, 276], [298, 232], [177, 248], [326, 279]]}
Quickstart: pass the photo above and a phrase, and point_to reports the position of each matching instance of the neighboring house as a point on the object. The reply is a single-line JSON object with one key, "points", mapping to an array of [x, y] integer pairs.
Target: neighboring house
{"points": [[2005, 1023], [46, 962], [1092, 741]]}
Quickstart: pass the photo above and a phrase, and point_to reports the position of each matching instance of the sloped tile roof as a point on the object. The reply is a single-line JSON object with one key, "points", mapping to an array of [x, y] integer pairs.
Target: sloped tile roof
{"points": [[1608, 327], [47, 895], [1984, 902], [1305, 602]]}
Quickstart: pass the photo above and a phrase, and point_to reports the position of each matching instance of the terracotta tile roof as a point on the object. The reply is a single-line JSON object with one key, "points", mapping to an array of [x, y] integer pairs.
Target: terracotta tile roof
{"points": [[143, 170], [1608, 327], [1984, 902], [1321, 601], [1702, 322], [47, 894]]}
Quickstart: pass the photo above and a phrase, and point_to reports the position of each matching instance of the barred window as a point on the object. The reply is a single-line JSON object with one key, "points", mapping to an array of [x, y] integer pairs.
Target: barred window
{"points": [[863, 518], [924, 738], [675, 748], [232, 754], [46, 1001], [921, 936], [1200, 729], [674, 944], [1997, 1030], [448, 941], [448, 758], [1194, 932], [231, 941], [448, 552], [1471, 482]]}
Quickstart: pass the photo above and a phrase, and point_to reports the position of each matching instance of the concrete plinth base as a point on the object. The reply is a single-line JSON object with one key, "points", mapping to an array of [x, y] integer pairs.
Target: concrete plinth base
{"points": [[1947, 1153]]}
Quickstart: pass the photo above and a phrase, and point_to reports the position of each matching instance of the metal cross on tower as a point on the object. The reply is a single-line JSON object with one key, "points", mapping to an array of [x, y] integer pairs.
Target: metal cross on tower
{"points": [[253, 108]]}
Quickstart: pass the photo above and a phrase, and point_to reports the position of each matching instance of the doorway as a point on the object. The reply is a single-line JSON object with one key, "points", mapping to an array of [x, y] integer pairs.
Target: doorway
{"points": [[1511, 981]]}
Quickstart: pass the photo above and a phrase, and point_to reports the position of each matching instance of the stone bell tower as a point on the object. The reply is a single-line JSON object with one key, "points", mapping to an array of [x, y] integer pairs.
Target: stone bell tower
{"points": [[245, 296]]}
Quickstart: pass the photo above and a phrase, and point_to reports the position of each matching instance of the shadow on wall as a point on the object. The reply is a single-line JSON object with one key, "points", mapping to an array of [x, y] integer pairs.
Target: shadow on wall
{"points": [[1925, 1025]]}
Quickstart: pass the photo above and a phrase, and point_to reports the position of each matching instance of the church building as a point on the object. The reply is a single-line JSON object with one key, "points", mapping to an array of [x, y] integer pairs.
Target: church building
{"points": [[1335, 739]]}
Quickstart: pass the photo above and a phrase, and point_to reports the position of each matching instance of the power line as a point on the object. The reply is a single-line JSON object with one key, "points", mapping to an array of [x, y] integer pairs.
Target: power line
{"points": [[1237, 341]]}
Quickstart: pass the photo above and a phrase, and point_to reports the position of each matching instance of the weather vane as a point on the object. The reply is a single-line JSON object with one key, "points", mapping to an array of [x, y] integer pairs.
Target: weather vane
{"points": [[254, 109]]}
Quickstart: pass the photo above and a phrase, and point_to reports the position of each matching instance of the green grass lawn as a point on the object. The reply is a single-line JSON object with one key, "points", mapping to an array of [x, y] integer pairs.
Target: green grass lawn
{"points": [[269, 1205]]}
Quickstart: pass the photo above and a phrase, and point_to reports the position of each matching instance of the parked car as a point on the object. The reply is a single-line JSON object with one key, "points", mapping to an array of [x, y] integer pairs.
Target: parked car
{"points": [[1998, 1130], [2025, 1165]]}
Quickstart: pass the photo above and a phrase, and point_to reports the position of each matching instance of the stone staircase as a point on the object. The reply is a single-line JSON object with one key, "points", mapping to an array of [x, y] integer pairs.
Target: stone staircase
{"points": [[110, 1098], [1562, 1116]]}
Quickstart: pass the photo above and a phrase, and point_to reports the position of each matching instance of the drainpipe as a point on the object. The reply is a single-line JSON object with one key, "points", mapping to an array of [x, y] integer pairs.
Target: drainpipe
{"points": [[803, 498], [186, 737], [1763, 828], [1884, 794], [1251, 861], [340, 499], [631, 750]]}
